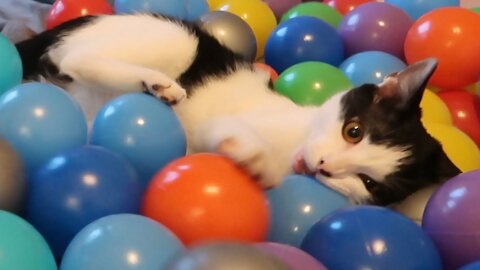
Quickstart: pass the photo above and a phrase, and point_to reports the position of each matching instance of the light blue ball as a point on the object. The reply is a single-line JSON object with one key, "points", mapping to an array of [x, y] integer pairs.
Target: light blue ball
{"points": [[416, 8], [370, 67], [122, 242], [41, 120], [183, 9], [471, 266], [141, 128], [297, 204], [10, 65]]}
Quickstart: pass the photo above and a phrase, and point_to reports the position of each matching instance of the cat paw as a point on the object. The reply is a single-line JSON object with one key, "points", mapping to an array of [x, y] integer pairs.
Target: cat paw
{"points": [[167, 90], [251, 156]]}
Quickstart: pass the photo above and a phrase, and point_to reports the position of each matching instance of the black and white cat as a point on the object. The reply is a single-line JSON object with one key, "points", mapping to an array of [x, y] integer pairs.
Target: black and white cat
{"points": [[367, 143]]}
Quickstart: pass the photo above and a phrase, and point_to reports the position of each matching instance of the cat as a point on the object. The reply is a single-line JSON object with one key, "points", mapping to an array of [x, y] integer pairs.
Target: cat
{"points": [[367, 143]]}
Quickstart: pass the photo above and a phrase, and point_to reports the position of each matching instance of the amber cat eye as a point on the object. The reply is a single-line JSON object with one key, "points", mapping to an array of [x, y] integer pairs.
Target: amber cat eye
{"points": [[352, 131]]}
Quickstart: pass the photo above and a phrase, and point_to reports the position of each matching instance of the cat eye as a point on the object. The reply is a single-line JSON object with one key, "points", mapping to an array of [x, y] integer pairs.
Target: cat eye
{"points": [[369, 183], [352, 132]]}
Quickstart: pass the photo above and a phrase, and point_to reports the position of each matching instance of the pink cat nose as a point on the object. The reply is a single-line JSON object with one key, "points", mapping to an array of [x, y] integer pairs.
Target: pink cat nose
{"points": [[321, 161]]}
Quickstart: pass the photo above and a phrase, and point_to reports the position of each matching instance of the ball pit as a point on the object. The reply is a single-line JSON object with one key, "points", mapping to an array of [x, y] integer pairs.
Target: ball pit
{"points": [[152, 245]]}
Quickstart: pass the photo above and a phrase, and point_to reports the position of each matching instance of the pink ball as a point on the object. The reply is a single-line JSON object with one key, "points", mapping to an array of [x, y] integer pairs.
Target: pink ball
{"points": [[279, 7], [296, 258]]}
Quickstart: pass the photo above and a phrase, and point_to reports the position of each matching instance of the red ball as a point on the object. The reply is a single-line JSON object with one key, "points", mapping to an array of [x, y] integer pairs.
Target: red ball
{"points": [[451, 35], [65, 10], [465, 110], [203, 197], [345, 6]]}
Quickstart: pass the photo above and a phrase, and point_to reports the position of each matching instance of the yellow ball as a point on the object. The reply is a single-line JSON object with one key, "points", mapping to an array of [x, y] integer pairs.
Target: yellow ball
{"points": [[434, 110], [474, 88], [213, 4], [458, 146], [414, 205], [258, 15]]}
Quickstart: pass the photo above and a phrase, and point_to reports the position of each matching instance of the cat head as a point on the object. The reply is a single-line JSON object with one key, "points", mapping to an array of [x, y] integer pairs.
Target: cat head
{"points": [[369, 143]]}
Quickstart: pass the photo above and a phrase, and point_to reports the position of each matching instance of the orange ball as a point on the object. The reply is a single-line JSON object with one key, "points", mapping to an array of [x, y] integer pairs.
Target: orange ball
{"points": [[203, 197], [65, 10], [273, 73], [450, 34]]}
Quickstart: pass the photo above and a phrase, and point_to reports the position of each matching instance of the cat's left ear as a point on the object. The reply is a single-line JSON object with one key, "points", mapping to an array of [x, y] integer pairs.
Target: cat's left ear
{"points": [[405, 88]]}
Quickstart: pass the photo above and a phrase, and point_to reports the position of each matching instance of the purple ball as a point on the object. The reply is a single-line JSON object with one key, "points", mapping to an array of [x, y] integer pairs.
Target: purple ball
{"points": [[279, 7], [375, 27], [452, 219], [294, 257]]}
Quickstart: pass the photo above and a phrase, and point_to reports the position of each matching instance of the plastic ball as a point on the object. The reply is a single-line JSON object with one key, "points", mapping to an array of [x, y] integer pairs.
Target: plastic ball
{"points": [[416, 8], [12, 178], [77, 187], [346, 6], [294, 257], [21, 246], [279, 7], [226, 255], [302, 39], [141, 128], [204, 197], [477, 10], [183, 9], [375, 27], [273, 73], [257, 14], [374, 238], [311, 83], [434, 110], [297, 204], [319, 10], [41, 120], [370, 67], [471, 266], [65, 10], [414, 205], [458, 146], [465, 110], [451, 220], [121, 242], [231, 31], [11, 65], [450, 35]]}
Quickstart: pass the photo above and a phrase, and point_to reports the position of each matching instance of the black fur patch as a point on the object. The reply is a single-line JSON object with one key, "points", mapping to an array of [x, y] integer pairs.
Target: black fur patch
{"points": [[388, 125], [33, 51]]}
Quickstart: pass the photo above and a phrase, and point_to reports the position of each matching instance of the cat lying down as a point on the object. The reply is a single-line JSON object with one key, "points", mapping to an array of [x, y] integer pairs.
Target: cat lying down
{"points": [[367, 143]]}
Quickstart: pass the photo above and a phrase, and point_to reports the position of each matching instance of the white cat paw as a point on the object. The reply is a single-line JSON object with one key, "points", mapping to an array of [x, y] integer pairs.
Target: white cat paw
{"points": [[165, 89], [252, 156]]}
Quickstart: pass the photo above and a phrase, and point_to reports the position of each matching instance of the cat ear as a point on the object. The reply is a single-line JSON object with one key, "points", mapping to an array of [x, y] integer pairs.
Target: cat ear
{"points": [[406, 87]]}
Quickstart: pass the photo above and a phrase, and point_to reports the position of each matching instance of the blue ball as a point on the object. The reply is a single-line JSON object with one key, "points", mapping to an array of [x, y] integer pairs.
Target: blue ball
{"points": [[416, 8], [183, 9], [141, 128], [41, 120], [371, 237], [303, 39], [471, 266], [77, 187], [122, 242], [297, 204], [370, 67], [11, 70]]}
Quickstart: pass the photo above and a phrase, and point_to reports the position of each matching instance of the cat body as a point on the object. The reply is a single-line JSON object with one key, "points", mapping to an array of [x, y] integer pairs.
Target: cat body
{"points": [[367, 143]]}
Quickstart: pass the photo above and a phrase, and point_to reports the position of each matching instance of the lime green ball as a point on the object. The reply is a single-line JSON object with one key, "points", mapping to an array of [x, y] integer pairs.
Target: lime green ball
{"points": [[477, 10], [311, 83], [314, 9]]}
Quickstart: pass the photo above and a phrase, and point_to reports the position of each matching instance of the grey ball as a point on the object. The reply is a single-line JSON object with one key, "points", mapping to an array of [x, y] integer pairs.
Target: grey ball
{"points": [[231, 31], [226, 256], [12, 178]]}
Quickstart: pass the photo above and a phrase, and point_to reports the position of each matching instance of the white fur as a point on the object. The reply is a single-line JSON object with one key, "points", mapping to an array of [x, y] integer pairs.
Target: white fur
{"points": [[238, 116]]}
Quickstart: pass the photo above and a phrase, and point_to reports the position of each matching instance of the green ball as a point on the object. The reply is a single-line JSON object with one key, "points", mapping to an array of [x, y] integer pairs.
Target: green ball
{"points": [[311, 83], [21, 246], [477, 10], [319, 10], [11, 69]]}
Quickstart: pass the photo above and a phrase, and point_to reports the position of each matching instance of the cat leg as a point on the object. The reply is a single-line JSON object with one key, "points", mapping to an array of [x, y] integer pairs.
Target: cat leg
{"points": [[121, 76], [233, 138]]}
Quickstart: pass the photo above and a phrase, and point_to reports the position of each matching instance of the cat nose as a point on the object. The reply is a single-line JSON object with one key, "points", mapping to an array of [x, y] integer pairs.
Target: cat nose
{"points": [[322, 161]]}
